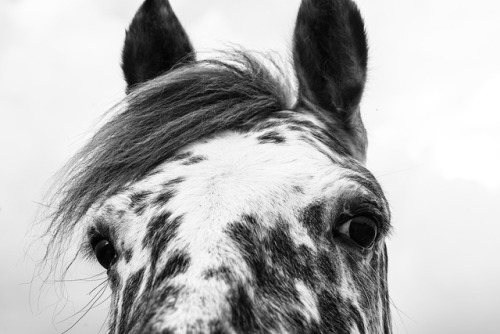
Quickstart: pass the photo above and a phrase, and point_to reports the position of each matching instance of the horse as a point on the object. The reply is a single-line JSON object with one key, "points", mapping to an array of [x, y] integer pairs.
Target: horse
{"points": [[221, 198]]}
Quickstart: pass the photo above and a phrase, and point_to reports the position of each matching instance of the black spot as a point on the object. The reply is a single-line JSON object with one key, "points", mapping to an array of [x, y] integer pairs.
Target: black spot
{"points": [[281, 244], [333, 314], [242, 310], [217, 327], [109, 209], [312, 217], [174, 182], [167, 331], [303, 124], [158, 297], [194, 160], [169, 292], [168, 192], [128, 255], [160, 231], [295, 128], [138, 198], [272, 260], [298, 189], [298, 321], [252, 251], [141, 309], [163, 239], [272, 137], [296, 262], [328, 267], [138, 201], [139, 210], [163, 198], [222, 273], [250, 220], [154, 226], [305, 267], [246, 241], [129, 295], [119, 214], [177, 263]]}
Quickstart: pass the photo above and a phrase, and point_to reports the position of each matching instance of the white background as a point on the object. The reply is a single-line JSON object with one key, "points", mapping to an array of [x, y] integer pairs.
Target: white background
{"points": [[431, 109]]}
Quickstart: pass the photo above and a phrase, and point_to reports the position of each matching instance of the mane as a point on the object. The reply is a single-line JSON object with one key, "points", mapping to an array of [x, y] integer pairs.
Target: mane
{"points": [[160, 117]]}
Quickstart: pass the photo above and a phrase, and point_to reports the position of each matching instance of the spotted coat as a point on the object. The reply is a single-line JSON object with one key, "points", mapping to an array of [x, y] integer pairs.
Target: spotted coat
{"points": [[220, 201]]}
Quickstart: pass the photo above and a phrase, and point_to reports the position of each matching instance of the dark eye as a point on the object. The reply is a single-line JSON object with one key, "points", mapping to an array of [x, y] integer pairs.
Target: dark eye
{"points": [[105, 253], [361, 230]]}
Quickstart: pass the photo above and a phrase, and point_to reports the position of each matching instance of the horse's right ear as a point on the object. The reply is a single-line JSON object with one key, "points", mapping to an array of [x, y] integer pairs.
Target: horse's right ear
{"points": [[154, 43]]}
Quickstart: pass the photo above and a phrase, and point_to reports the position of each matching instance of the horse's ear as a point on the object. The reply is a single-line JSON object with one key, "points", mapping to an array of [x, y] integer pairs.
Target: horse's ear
{"points": [[330, 57], [154, 43]]}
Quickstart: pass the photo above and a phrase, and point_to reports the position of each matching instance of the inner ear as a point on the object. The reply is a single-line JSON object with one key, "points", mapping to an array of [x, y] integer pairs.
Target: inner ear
{"points": [[330, 58], [154, 43]]}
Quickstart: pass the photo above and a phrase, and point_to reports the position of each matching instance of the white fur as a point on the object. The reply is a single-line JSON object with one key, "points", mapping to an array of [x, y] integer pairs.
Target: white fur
{"points": [[239, 176], [309, 301]]}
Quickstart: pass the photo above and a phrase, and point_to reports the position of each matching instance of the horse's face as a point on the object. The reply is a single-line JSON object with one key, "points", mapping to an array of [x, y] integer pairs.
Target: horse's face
{"points": [[262, 231], [267, 225]]}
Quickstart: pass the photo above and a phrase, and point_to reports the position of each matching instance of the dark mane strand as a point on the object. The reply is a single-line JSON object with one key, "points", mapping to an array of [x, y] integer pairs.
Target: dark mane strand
{"points": [[160, 117]]}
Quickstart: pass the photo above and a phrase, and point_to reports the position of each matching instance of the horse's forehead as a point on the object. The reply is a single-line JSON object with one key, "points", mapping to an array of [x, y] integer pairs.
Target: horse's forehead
{"points": [[269, 170], [235, 201]]}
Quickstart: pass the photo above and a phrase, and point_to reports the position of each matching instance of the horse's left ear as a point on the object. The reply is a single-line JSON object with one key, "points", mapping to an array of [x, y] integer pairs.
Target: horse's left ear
{"points": [[330, 57], [155, 42]]}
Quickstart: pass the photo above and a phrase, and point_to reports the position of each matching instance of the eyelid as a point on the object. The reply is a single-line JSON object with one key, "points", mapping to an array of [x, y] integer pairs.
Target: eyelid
{"points": [[366, 208], [93, 235], [99, 230]]}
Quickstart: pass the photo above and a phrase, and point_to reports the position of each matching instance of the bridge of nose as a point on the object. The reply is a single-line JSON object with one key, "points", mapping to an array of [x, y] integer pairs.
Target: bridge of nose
{"points": [[212, 205], [199, 307]]}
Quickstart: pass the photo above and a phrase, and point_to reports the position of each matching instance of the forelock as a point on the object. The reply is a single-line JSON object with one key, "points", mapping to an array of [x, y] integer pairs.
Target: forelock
{"points": [[160, 117]]}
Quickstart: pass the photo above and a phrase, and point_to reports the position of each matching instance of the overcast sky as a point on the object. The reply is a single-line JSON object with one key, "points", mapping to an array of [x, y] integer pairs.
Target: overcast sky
{"points": [[431, 110]]}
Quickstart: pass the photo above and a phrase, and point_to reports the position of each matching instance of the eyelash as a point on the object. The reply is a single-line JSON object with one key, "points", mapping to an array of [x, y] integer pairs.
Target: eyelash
{"points": [[365, 209], [92, 237]]}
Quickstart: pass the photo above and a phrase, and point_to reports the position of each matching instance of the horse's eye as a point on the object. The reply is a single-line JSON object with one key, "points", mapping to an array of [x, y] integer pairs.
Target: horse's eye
{"points": [[361, 230], [105, 253]]}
